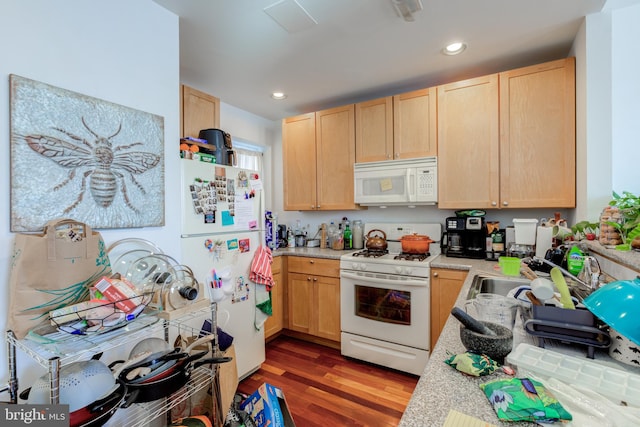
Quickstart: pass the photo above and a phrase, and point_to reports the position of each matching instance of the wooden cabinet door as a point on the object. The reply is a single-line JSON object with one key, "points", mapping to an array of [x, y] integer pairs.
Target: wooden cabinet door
{"points": [[299, 160], [326, 307], [374, 130], [445, 287], [468, 144], [537, 136], [299, 298], [414, 124], [275, 322], [199, 111], [335, 150]]}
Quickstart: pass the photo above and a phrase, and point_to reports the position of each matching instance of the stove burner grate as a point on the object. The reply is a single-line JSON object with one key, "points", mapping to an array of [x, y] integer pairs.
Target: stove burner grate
{"points": [[370, 253], [412, 257]]}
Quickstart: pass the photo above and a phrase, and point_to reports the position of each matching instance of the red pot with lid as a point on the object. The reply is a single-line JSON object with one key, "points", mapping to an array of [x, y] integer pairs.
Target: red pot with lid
{"points": [[415, 243]]}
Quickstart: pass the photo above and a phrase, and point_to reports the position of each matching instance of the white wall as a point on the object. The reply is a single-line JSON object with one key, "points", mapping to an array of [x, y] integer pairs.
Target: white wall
{"points": [[625, 113], [256, 130], [120, 51], [607, 110]]}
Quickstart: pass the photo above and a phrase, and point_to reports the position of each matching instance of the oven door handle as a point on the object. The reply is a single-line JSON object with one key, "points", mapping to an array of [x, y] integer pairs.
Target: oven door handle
{"points": [[380, 280]]}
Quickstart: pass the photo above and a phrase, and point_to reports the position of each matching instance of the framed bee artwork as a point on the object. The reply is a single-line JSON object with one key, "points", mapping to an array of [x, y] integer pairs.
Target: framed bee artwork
{"points": [[84, 158]]}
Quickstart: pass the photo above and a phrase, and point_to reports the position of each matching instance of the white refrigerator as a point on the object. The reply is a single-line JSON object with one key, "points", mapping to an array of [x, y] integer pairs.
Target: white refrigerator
{"points": [[222, 226]]}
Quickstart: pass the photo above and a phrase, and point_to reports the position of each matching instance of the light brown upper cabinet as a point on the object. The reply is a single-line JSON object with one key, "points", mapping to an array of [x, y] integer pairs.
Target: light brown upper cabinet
{"points": [[468, 162], [374, 130], [414, 124], [199, 111], [318, 155], [507, 140], [398, 127], [538, 136]]}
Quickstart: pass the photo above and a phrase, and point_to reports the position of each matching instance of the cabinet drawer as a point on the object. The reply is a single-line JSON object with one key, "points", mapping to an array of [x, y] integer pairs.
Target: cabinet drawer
{"points": [[314, 266]]}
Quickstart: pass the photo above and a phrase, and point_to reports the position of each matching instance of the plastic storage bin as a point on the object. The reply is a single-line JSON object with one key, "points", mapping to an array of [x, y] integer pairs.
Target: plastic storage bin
{"points": [[525, 231], [616, 384]]}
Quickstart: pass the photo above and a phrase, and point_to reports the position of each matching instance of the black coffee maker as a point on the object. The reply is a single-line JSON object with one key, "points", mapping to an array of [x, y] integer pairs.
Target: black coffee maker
{"points": [[464, 237], [282, 236]]}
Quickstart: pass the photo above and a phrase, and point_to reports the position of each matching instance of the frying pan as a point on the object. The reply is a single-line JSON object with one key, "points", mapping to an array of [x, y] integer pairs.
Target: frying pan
{"points": [[97, 413], [171, 380], [160, 362]]}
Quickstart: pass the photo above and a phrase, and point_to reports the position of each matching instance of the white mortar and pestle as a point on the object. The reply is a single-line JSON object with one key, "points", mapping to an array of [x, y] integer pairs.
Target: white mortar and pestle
{"points": [[492, 339]]}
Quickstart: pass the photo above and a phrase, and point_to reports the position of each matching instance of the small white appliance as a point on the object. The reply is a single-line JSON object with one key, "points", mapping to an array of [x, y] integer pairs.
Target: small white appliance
{"points": [[385, 300], [225, 240], [397, 182], [525, 237]]}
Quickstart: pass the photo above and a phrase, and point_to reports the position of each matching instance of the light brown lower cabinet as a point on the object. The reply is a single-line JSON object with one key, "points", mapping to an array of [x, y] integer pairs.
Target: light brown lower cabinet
{"points": [[313, 297], [275, 322], [445, 287]]}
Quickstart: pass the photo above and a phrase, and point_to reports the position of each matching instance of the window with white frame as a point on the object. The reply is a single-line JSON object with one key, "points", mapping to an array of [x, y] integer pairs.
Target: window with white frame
{"points": [[249, 155]]}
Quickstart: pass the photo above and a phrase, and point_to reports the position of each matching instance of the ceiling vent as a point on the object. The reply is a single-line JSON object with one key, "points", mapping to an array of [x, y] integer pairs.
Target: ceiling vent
{"points": [[406, 8], [290, 16]]}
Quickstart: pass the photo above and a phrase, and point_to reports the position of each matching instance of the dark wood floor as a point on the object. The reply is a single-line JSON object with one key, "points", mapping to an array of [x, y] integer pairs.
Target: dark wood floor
{"points": [[323, 388]]}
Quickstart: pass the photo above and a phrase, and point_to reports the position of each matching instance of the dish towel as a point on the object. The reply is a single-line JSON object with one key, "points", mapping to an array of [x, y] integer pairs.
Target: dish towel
{"points": [[261, 274]]}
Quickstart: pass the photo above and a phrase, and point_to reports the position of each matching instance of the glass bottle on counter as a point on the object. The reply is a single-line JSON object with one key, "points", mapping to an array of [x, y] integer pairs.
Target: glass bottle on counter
{"points": [[357, 234], [348, 242]]}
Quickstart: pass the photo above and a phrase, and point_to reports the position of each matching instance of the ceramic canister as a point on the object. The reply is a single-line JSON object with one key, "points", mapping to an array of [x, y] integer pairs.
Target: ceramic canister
{"points": [[623, 349]]}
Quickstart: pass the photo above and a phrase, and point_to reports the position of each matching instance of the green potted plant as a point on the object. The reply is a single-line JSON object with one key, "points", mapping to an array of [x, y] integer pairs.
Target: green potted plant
{"points": [[585, 230], [629, 206]]}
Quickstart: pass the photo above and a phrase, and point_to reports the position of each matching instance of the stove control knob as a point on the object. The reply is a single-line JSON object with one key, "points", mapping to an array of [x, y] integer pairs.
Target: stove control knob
{"points": [[408, 271], [359, 266], [399, 270]]}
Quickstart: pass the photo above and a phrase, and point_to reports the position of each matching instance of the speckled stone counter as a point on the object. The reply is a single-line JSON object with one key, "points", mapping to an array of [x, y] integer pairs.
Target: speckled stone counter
{"points": [[442, 388], [311, 252]]}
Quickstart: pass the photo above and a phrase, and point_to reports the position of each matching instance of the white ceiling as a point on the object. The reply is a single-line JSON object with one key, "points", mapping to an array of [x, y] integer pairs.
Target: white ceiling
{"points": [[360, 49]]}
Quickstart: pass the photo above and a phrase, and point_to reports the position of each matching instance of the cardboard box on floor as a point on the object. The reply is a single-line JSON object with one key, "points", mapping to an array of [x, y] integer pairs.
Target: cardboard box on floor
{"points": [[268, 407]]}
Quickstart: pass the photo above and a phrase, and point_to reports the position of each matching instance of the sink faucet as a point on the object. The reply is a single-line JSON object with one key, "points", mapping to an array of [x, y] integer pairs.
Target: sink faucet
{"points": [[587, 286]]}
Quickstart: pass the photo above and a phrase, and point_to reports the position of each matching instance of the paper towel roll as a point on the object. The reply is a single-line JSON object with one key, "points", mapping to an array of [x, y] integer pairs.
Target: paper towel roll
{"points": [[544, 240]]}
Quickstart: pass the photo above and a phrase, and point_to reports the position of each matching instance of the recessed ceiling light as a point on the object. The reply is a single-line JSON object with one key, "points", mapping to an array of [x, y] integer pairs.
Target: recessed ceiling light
{"points": [[278, 95], [454, 48]]}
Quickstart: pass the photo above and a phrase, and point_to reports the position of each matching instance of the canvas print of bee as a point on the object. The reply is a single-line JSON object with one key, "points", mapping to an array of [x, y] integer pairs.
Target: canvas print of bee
{"points": [[82, 157]]}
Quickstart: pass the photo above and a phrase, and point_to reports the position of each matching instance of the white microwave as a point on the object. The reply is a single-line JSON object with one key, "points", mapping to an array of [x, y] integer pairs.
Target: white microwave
{"points": [[410, 183]]}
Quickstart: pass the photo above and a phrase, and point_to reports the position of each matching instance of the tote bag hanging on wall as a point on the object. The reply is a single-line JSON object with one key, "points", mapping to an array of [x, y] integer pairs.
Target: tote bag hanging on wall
{"points": [[52, 270]]}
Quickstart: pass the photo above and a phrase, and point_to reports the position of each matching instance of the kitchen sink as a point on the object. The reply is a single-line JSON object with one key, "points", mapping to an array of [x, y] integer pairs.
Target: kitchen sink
{"points": [[494, 285]]}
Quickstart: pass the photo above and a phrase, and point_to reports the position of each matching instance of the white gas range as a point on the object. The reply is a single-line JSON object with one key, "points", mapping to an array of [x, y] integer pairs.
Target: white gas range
{"points": [[385, 304]]}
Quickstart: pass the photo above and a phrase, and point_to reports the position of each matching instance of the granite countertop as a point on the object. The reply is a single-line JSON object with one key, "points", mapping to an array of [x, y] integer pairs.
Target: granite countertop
{"points": [[311, 252], [442, 388]]}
